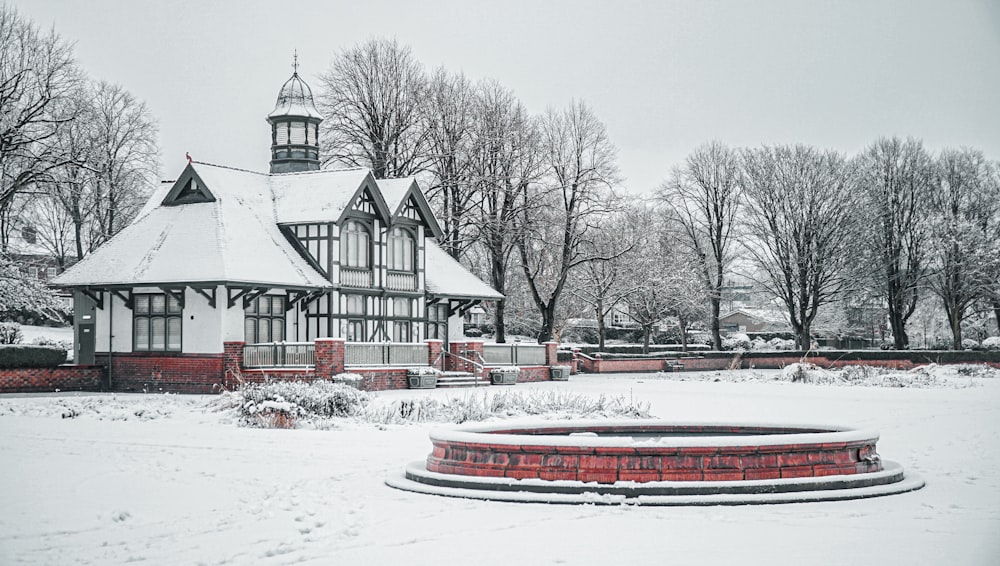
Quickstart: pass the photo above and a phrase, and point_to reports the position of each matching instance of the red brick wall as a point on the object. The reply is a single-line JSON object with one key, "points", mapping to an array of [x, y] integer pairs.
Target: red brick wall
{"points": [[434, 357], [329, 356], [165, 372], [382, 379], [232, 364], [472, 350], [62, 378], [534, 373]]}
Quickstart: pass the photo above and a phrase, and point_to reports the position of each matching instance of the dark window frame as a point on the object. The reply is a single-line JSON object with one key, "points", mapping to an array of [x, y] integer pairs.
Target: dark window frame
{"points": [[253, 313], [168, 314]]}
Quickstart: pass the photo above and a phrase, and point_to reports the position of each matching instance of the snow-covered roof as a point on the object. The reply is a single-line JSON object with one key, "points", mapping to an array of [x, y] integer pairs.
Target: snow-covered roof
{"points": [[314, 196], [448, 278], [230, 233], [225, 241], [394, 191]]}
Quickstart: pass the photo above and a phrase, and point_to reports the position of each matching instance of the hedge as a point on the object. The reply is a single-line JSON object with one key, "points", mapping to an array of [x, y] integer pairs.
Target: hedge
{"points": [[915, 356], [654, 350], [30, 356]]}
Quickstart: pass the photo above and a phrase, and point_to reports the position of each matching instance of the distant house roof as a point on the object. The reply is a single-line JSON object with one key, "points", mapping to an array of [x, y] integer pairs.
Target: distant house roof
{"points": [[448, 278]]}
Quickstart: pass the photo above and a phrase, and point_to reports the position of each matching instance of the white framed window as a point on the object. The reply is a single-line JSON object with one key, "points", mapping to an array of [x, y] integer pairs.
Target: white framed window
{"points": [[401, 250], [355, 245]]}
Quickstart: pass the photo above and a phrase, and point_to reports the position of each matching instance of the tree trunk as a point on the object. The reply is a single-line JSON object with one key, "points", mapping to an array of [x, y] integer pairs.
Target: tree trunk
{"points": [[500, 333], [956, 327], [548, 323], [900, 340], [996, 312], [599, 311], [682, 323], [716, 334], [646, 331]]}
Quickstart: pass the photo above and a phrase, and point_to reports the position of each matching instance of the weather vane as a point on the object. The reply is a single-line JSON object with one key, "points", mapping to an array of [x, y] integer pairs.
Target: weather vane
{"points": [[295, 61]]}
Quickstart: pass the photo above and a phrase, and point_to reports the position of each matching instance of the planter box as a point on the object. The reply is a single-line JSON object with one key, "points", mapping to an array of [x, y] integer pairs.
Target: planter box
{"points": [[422, 380], [559, 373], [504, 376]]}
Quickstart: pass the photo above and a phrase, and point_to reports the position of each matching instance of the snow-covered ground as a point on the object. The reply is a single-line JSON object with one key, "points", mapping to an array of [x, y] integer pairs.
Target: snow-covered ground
{"points": [[170, 480]]}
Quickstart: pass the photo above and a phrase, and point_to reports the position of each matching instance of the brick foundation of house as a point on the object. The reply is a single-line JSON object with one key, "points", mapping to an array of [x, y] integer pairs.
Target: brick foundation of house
{"points": [[164, 372], [45, 380]]}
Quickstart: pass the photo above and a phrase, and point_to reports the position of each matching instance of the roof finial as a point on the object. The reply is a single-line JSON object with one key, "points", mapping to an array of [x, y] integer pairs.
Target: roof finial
{"points": [[295, 61]]}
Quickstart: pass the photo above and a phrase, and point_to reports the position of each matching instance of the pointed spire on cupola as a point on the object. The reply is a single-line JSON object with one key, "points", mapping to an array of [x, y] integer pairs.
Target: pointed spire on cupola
{"points": [[294, 126]]}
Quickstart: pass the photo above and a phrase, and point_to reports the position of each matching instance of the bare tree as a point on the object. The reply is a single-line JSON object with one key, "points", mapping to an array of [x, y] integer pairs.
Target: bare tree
{"points": [[448, 118], [581, 167], [37, 74], [504, 162], [372, 97], [662, 288], [604, 284], [124, 163], [895, 177], [801, 224], [964, 204], [704, 198]]}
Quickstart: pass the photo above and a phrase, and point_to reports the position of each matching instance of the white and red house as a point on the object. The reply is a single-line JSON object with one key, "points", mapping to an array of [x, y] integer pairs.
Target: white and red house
{"points": [[224, 260]]}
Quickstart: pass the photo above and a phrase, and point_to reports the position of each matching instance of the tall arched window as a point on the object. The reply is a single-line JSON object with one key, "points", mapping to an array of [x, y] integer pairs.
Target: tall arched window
{"points": [[401, 250], [355, 243]]}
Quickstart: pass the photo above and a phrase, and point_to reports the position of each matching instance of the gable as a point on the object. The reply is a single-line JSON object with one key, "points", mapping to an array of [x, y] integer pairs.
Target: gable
{"points": [[415, 207], [366, 201], [189, 189]]}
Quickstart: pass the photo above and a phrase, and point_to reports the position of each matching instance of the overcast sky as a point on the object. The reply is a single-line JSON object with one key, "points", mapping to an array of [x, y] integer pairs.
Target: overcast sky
{"points": [[663, 76]]}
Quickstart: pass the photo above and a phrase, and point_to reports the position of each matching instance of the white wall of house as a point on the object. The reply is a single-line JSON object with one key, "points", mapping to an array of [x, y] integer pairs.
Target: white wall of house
{"points": [[456, 327], [232, 318], [201, 325], [113, 326]]}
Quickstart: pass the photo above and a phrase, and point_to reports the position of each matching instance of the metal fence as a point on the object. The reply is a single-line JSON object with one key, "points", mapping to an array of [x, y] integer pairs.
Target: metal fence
{"points": [[514, 354], [279, 354], [385, 354]]}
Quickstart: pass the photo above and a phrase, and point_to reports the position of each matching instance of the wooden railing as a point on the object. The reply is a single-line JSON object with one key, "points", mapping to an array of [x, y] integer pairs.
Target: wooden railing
{"points": [[385, 354], [279, 354], [516, 354], [354, 277], [401, 281]]}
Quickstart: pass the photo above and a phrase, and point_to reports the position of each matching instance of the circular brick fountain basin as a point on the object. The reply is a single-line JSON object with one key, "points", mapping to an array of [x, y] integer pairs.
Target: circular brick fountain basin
{"points": [[672, 463]]}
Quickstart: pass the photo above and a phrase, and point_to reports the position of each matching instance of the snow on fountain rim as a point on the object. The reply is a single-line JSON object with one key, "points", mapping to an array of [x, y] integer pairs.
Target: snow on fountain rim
{"points": [[483, 434]]}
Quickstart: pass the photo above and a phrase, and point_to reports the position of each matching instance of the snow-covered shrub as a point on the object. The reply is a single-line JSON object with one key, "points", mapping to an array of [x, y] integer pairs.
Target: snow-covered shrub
{"points": [[781, 344], [10, 333], [970, 344], [759, 344], [800, 372], [506, 404], [282, 403], [287, 404], [992, 343], [737, 341]]}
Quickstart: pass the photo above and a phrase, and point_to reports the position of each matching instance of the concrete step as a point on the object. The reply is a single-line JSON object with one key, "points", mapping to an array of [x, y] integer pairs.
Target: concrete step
{"points": [[461, 379]]}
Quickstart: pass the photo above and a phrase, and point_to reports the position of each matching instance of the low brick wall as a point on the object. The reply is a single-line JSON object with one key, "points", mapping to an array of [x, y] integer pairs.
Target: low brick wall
{"points": [[713, 361], [165, 372], [531, 374], [381, 379], [61, 378]]}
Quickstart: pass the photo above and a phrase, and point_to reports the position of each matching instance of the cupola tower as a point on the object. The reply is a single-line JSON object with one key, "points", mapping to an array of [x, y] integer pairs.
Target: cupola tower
{"points": [[294, 127]]}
